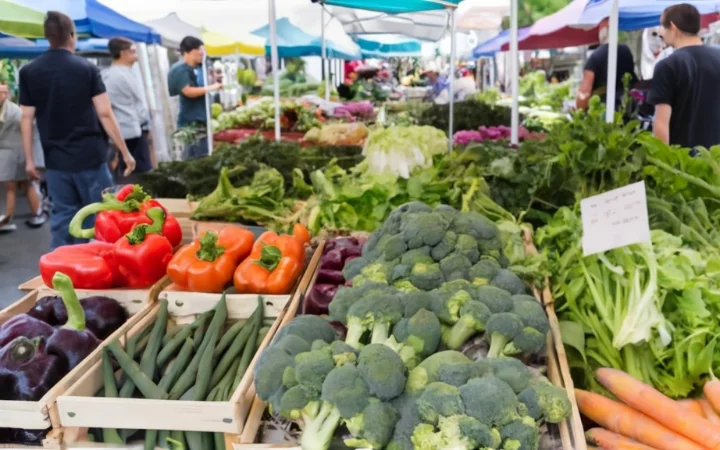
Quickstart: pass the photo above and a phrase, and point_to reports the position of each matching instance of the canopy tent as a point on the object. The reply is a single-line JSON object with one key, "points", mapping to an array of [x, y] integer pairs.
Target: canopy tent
{"points": [[21, 21], [639, 14], [423, 25], [496, 44], [292, 41], [12, 47], [14, 42], [482, 14], [392, 6], [92, 18], [173, 29], [386, 45]]}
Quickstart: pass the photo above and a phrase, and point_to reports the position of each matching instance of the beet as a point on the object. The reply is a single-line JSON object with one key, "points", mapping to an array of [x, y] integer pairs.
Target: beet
{"points": [[26, 326], [327, 276], [318, 300], [333, 260]]}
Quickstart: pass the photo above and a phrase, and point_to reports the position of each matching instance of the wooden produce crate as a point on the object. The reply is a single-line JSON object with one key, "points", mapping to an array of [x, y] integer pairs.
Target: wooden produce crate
{"points": [[43, 413], [79, 410]]}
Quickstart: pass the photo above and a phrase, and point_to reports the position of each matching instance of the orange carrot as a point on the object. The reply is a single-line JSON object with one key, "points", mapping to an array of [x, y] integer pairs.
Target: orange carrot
{"points": [[709, 412], [663, 409], [622, 419], [692, 405], [607, 440], [712, 392]]}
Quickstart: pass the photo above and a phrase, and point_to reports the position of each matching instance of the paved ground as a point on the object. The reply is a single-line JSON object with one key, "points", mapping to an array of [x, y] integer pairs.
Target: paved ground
{"points": [[19, 252]]}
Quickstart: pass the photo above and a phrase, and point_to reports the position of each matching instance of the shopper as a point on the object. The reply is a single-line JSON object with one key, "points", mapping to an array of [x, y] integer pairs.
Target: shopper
{"points": [[595, 79], [439, 92], [67, 95], [125, 92], [183, 82], [12, 166], [684, 88]]}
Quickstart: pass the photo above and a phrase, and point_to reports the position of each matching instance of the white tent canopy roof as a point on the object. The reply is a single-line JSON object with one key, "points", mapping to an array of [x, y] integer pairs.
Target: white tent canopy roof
{"points": [[427, 26], [480, 15]]}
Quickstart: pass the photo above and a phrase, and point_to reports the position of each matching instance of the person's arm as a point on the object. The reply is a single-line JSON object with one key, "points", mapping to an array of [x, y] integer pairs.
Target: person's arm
{"points": [[26, 130], [661, 95], [585, 91], [198, 91], [661, 123]]}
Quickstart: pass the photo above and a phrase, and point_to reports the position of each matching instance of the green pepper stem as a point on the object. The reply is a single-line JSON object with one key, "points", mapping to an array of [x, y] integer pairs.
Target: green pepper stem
{"points": [[76, 315], [270, 257], [109, 203], [138, 234], [209, 250]]}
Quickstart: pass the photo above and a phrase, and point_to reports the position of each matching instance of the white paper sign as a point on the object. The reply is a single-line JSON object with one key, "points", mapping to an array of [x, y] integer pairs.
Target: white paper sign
{"points": [[615, 219]]}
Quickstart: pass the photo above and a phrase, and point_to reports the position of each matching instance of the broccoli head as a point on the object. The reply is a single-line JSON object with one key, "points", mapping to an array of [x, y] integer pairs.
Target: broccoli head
{"points": [[400, 330], [376, 272], [425, 437], [312, 367], [454, 286], [464, 432], [543, 400], [447, 211], [468, 246], [400, 272], [353, 267], [439, 400], [531, 313], [498, 300], [473, 316], [520, 435], [347, 390], [426, 276], [508, 281], [417, 256], [376, 313], [317, 419], [268, 372], [423, 333], [343, 353], [383, 370], [458, 374], [424, 229], [455, 267], [308, 327], [446, 306], [427, 371], [318, 344], [395, 247], [476, 225], [346, 296], [293, 344], [512, 371], [482, 272], [528, 342], [405, 286], [288, 377], [490, 400], [445, 247], [374, 427], [417, 300], [502, 328]]}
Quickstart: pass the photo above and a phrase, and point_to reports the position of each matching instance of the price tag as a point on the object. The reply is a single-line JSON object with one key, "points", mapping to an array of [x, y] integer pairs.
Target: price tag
{"points": [[615, 219]]}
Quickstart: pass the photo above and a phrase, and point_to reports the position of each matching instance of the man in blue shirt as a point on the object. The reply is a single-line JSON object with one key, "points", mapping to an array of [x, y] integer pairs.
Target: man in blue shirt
{"points": [[183, 81], [66, 94]]}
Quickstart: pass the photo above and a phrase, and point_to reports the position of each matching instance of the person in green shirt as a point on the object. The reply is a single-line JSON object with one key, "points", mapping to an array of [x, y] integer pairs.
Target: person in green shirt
{"points": [[183, 82]]}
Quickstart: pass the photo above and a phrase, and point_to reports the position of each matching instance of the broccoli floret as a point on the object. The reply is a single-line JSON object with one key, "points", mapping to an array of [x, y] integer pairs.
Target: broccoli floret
{"points": [[308, 327], [468, 246], [346, 296], [490, 400], [417, 300], [383, 370], [464, 432], [288, 377], [425, 437], [293, 344], [531, 313], [312, 367], [546, 401], [524, 298], [476, 225], [529, 342], [447, 211], [408, 354], [491, 247], [426, 276], [417, 256], [445, 247], [520, 435], [424, 229], [368, 250], [423, 333], [483, 271], [377, 272], [400, 330], [347, 390], [269, 371], [343, 353], [498, 300], [405, 286], [399, 272], [473, 316], [318, 344], [376, 313], [317, 419], [353, 267], [457, 374], [447, 306], [427, 371], [508, 281], [459, 285], [395, 247], [502, 328], [439, 400], [512, 371], [455, 267], [374, 427]]}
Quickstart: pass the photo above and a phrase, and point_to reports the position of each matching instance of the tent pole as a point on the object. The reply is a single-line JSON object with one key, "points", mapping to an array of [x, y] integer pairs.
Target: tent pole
{"points": [[514, 73], [612, 62], [325, 66], [453, 55], [208, 107], [275, 66]]}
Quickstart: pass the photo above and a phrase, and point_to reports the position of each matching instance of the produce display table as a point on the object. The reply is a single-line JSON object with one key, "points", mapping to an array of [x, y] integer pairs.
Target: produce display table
{"points": [[239, 135]]}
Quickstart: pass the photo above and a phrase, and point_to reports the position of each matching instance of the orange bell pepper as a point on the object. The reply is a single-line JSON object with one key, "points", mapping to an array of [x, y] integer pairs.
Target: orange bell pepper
{"points": [[208, 263], [301, 233], [273, 266]]}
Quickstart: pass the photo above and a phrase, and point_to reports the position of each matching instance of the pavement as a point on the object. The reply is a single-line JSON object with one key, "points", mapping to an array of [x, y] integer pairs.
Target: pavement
{"points": [[20, 251]]}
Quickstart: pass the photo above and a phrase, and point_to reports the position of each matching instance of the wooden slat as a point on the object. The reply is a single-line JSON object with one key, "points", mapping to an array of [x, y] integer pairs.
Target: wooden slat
{"points": [[32, 284]]}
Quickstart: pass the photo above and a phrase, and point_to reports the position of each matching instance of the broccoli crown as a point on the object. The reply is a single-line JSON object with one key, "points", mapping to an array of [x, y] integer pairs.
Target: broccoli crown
{"points": [[343, 353], [473, 316], [406, 405], [346, 296], [297, 401], [345, 388], [445, 247], [456, 374], [476, 225], [502, 328], [426, 276], [293, 344], [468, 247], [423, 333], [312, 367], [529, 341], [353, 267], [446, 305], [400, 330], [400, 272], [288, 377], [465, 432], [318, 344], [417, 256], [508, 281], [439, 400], [383, 370], [425, 437], [405, 286], [375, 427], [483, 271], [373, 312], [490, 400], [395, 247], [376, 272], [455, 286], [269, 370], [447, 211], [424, 229], [408, 354], [496, 299], [417, 300], [531, 313], [427, 371], [308, 327], [546, 401], [511, 371], [455, 267], [520, 435]]}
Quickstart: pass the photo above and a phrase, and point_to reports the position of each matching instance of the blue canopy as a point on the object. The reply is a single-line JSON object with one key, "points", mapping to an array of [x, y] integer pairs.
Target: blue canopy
{"points": [[639, 14], [391, 6], [494, 45], [18, 48], [378, 46], [92, 18], [292, 42]]}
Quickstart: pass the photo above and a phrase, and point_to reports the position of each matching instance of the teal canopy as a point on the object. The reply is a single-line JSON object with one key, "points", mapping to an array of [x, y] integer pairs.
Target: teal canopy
{"points": [[392, 6]]}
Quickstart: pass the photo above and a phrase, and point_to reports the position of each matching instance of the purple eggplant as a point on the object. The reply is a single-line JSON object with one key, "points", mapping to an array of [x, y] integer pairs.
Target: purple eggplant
{"points": [[46, 309], [319, 298], [327, 276], [27, 371], [26, 326], [103, 315], [73, 342]]}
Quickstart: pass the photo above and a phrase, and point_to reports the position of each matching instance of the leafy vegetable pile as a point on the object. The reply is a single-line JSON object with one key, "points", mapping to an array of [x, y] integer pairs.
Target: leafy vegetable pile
{"points": [[428, 281], [293, 116], [469, 115], [498, 133], [399, 150]]}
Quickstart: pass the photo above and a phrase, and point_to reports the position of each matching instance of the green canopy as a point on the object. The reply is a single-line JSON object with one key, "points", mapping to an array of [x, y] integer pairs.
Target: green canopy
{"points": [[17, 20]]}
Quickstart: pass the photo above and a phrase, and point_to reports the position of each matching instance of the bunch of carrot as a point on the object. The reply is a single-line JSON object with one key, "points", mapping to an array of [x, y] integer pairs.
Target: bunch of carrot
{"points": [[647, 419]]}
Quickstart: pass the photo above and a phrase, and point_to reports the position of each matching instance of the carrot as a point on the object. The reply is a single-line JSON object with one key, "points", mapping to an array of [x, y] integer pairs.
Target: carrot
{"points": [[649, 401], [709, 412], [692, 405], [607, 440], [622, 419], [712, 392]]}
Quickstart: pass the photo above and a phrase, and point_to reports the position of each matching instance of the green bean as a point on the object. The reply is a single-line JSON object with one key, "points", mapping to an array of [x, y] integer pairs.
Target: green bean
{"points": [[148, 362], [144, 384], [177, 366], [162, 439], [249, 351], [177, 440], [231, 354], [110, 435], [202, 382]]}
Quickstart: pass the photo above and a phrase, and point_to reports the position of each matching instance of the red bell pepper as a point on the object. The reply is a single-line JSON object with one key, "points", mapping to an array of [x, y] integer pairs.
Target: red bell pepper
{"points": [[89, 266], [143, 254], [118, 214]]}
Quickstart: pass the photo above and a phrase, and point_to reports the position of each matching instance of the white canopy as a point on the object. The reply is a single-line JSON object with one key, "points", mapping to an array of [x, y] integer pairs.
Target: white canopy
{"points": [[426, 26]]}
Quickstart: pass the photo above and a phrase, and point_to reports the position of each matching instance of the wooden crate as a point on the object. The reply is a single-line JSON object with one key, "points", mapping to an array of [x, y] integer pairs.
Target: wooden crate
{"points": [[79, 410], [178, 207], [43, 413]]}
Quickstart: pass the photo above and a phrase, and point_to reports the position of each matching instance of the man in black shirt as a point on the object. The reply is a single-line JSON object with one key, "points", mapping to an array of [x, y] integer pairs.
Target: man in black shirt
{"points": [[594, 80], [66, 94], [685, 84]]}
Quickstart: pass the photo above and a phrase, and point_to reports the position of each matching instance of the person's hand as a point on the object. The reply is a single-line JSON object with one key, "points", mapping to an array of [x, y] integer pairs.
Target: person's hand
{"points": [[215, 87], [32, 171], [129, 164]]}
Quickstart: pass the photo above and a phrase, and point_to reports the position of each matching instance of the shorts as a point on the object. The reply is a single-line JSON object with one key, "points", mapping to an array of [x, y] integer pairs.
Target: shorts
{"points": [[12, 165]]}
